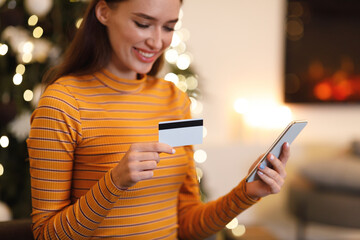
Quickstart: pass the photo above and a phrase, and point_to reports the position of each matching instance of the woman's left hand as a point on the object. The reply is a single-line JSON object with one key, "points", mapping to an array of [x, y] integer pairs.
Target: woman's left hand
{"points": [[272, 179]]}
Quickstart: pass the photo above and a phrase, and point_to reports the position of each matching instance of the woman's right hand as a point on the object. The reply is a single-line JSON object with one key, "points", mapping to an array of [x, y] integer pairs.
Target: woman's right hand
{"points": [[139, 163]]}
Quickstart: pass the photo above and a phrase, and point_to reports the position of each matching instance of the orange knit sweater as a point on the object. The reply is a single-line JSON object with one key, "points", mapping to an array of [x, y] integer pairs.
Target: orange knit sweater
{"points": [[81, 129]]}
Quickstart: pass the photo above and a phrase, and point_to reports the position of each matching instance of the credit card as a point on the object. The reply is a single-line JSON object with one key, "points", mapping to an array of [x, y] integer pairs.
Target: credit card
{"points": [[181, 132]]}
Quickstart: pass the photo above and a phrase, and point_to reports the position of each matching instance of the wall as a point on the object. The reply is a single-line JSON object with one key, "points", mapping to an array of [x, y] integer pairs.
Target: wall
{"points": [[238, 52]]}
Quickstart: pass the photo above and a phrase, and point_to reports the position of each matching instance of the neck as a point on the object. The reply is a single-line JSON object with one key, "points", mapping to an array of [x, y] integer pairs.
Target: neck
{"points": [[121, 73]]}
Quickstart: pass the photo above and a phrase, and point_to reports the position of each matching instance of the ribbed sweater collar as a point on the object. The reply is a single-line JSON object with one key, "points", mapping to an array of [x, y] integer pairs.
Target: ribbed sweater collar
{"points": [[120, 84]]}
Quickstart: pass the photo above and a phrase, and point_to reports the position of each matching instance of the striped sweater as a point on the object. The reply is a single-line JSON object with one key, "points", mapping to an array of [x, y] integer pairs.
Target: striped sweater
{"points": [[81, 129]]}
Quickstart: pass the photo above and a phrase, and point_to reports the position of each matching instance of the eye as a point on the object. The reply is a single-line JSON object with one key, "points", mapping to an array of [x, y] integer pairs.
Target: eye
{"points": [[168, 29], [140, 25]]}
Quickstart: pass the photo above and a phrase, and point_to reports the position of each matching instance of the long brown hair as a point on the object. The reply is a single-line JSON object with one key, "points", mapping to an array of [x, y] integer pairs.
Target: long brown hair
{"points": [[90, 49]]}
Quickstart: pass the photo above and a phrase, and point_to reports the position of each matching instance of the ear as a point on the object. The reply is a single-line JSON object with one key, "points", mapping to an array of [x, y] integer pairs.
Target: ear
{"points": [[102, 12]]}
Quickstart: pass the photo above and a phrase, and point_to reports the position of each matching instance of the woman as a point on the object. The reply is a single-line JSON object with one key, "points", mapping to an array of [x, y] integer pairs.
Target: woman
{"points": [[97, 169]]}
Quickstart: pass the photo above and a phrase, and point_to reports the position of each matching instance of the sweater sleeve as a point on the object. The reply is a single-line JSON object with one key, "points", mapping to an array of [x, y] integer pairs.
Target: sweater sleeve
{"points": [[199, 220], [55, 133]]}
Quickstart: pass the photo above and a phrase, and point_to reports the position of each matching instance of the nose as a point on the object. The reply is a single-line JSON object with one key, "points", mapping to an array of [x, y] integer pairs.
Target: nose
{"points": [[155, 41]]}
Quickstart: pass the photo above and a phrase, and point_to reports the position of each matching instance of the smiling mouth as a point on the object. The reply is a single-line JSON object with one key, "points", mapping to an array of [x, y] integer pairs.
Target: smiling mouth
{"points": [[145, 54]]}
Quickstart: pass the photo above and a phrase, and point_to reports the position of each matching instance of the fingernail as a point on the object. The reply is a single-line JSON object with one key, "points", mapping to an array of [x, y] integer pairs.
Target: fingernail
{"points": [[173, 151], [261, 173], [271, 157], [287, 144], [262, 166]]}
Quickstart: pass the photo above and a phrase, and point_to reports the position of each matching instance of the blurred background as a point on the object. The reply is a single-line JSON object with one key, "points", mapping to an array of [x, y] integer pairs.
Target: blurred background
{"points": [[249, 67]]}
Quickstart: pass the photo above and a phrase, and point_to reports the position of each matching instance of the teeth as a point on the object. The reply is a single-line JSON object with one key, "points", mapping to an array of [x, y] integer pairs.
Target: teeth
{"points": [[147, 55]]}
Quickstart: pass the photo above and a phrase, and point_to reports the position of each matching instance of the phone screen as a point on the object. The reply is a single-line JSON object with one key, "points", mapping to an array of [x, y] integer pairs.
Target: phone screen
{"points": [[288, 135]]}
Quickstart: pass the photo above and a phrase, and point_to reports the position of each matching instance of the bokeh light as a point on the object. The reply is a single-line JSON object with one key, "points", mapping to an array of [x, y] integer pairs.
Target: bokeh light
{"points": [[200, 156], [4, 141], [28, 95], [33, 20]]}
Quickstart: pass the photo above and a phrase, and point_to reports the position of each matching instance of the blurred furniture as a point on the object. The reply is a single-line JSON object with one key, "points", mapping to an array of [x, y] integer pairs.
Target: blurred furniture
{"points": [[327, 192], [16, 230]]}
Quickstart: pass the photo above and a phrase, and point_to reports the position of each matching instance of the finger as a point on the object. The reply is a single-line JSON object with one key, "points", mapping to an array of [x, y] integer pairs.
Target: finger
{"points": [[153, 147], [147, 165], [144, 175], [144, 156], [271, 173], [278, 166], [274, 187], [285, 153]]}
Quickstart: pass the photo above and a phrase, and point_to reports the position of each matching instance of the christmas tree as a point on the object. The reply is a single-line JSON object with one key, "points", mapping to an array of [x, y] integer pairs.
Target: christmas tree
{"points": [[33, 36]]}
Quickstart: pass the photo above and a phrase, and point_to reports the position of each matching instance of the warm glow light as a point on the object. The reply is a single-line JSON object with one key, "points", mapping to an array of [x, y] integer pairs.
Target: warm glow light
{"points": [[32, 21], [20, 69], [4, 141], [1, 170], [181, 48], [38, 32], [183, 61], [263, 113], [175, 40], [78, 22], [232, 224], [28, 47], [172, 77], [323, 91], [3, 49], [192, 83], [200, 156], [17, 79], [28, 95], [199, 173], [239, 231], [241, 105], [171, 55], [27, 57], [182, 86]]}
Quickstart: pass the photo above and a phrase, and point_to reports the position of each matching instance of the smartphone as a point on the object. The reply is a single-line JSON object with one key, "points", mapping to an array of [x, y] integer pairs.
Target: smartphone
{"points": [[288, 135]]}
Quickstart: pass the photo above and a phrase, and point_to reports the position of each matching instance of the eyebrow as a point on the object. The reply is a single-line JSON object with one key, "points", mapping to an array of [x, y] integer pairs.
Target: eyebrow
{"points": [[142, 15]]}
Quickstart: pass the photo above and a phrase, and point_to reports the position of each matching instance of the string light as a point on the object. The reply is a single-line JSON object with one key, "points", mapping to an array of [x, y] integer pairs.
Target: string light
{"points": [[239, 230], [4, 141], [3, 49], [33, 20], [199, 173], [20, 69], [38, 32], [232, 224], [28, 95], [17, 79], [1, 169], [192, 83], [171, 56], [27, 57], [175, 40], [183, 61], [200, 156], [182, 86], [28, 47], [78, 22], [172, 77]]}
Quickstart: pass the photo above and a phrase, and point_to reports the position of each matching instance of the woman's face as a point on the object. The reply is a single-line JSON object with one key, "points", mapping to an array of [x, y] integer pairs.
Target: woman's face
{"points": [[139, 32]]}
